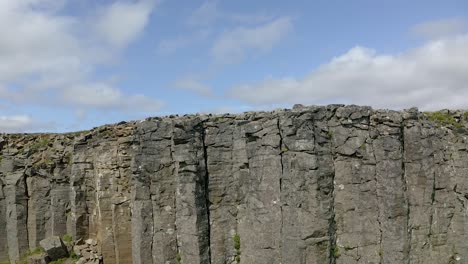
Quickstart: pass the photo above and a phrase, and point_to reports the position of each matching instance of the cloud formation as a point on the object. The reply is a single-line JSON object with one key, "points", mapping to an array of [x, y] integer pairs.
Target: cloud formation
{"points": [[122, 22], [171, 45], [432, 76], [103, 96], [440, 28], [232, 46], [20, 123], [209, 13], [47, 54], [194, 85]]}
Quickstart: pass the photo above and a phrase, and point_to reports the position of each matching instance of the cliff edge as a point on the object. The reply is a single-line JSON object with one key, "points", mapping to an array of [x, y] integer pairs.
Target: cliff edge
{"points": [[330, 184]]}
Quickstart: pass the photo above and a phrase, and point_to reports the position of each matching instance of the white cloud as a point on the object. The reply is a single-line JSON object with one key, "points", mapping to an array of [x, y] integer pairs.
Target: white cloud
{"points": [[194, 85], [169, 46], [205, 15], [440, 28], [34, 42], [432, 76], [123, 22], [233, 45], [46, 53], [13, 123], [208, 13], [104, 96], [21, 123]]}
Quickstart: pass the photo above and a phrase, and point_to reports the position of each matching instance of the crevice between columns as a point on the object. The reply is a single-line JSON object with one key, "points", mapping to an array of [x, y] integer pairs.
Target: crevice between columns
{"points": [[206, 182]]}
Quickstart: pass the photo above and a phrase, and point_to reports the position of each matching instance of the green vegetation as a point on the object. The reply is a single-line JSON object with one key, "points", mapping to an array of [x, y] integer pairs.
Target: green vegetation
{"points": [[179, 258], [67, 238], [363, 147], [44, 163], [59, 261], [68, 158], [106, 133], [36, 251], [24, 260], [443, 119], [330, 134], [219, 119], [41, 143], [347, 248], [336, 252], [73, 255], [5, 262], [237, 246]]}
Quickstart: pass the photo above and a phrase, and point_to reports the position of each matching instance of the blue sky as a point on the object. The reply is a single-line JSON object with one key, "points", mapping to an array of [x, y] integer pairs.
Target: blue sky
{"points": [[69, 65]]}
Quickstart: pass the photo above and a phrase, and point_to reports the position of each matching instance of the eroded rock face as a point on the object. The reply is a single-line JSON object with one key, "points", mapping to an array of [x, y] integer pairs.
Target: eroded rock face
{"points": [[333, 184], [54, 247]]}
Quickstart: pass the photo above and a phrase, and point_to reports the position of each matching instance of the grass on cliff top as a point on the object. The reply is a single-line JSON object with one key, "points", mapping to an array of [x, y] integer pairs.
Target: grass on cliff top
{"points": [[443, 119], [42, 143]]}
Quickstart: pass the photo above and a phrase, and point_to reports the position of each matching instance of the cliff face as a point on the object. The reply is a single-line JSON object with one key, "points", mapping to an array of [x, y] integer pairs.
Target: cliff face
{"points": [[334, 184]]}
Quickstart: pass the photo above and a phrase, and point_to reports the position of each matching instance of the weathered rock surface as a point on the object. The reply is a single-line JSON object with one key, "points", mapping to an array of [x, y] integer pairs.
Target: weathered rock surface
{"points": [[87, 253], [54, 247], [333, 184]]}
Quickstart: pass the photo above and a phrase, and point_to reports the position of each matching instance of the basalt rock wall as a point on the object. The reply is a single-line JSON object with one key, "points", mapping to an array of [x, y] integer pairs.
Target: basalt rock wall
{"points": [[333, 184]]}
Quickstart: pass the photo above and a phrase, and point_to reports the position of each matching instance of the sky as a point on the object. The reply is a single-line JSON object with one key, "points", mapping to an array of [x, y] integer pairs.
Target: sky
{"points": [[69, 65]]}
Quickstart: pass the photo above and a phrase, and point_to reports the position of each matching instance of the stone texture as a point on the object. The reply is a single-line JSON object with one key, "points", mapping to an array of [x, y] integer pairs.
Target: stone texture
{"points": [[37, 259], [332, 184], [54, 247]]}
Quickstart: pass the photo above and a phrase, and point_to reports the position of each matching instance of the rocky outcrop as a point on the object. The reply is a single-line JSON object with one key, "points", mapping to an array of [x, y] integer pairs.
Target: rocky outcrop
{"points": [[333, 184]]}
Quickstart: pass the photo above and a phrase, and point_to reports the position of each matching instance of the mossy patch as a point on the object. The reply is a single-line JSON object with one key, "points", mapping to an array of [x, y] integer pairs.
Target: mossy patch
{"points": [[179, 258], [443, 119], [59, 261], [41, 143], [67, 238], [36, 251], [237, 246], [336, 252]]}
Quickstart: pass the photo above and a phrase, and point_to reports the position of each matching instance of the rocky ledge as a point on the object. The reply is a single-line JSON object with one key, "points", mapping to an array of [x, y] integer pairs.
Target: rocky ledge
{"points": [[331, 184]]}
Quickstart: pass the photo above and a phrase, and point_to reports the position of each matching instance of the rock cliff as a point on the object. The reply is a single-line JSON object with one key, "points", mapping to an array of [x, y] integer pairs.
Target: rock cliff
{"points": [[331, 184]]}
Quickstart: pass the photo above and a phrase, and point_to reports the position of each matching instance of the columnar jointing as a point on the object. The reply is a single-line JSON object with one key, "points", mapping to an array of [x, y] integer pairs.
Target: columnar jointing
{"points": [[335, 184]]}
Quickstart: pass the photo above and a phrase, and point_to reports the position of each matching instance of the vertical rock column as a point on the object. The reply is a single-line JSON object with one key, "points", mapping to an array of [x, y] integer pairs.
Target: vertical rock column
{"points": [[358, 234], [38, 209], [105, 172], [451, 197], [192, 216], [16, 199], [223, 189], [435, 162], [59, 200], [120, 207], [142, 214], [154, 167], [3, 225], [306, 187], [259, 217], [111, 181], [81, 165], [420, 177], [391, 186]]}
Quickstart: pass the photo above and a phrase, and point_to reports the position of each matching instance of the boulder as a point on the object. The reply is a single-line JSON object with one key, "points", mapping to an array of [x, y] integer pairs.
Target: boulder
{"points": [[54, 247]]}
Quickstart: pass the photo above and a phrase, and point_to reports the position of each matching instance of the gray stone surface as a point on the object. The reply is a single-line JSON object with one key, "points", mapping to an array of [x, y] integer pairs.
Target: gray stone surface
{"points": [[54, 247], [332, 184]]}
